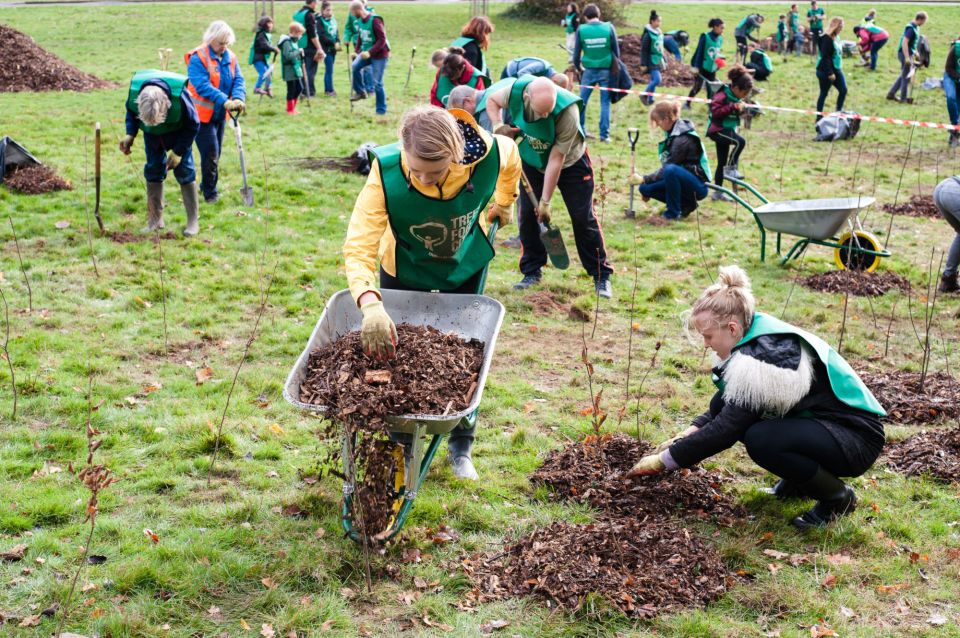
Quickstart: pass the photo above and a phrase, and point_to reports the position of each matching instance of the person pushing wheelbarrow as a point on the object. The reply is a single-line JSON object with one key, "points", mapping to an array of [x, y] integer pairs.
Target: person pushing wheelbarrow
{"points": [[422, 216]]}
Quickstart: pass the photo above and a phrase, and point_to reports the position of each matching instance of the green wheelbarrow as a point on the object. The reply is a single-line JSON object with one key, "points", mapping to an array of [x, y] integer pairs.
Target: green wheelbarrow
{"points": [[815, 221], [469, 316]]}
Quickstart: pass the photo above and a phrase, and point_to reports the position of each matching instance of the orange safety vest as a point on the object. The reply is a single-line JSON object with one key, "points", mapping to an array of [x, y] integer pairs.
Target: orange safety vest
{"points": [[204, 106]]}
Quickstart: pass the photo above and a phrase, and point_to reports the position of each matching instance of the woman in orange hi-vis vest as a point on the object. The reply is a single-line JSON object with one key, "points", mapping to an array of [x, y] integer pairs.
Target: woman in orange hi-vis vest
{"points": [[216, 87]]}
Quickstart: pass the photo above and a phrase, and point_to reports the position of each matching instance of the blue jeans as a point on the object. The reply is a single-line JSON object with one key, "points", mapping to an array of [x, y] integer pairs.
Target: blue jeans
{"points": [[591, 78], [903, 81], [328, 72], [798, 44], [310, 67], [210, 143], [678, 188], [950, 89], [261, 68], [377, 68], [671, 46], [155, 170], [874, 48], [652, 87]]}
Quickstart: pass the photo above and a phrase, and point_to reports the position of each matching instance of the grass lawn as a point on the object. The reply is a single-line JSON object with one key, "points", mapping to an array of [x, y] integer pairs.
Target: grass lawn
{"points": [[218, 542]]}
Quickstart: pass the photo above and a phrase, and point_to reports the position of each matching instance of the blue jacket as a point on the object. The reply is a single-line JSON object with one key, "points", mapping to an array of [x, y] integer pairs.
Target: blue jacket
{"points": [[178, 141], [230, 87]]}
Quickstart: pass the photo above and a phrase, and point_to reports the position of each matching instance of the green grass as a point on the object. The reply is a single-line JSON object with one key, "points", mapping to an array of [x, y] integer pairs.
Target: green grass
{"points": [[218, 542]]}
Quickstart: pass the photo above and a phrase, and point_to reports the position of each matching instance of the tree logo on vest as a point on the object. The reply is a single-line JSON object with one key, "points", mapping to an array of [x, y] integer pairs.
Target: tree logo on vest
{"points": [[537, 144], [442, 241]]}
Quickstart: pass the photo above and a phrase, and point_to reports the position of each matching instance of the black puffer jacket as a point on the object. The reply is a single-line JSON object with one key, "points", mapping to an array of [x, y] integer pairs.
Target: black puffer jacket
{"points": [[683, 149], [859, 434]]}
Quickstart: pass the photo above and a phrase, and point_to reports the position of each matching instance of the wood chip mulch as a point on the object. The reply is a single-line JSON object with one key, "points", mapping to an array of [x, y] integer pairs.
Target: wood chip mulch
{"points": [[934, 453], [29, 67], [34, 180], [899, 393], [860, 284], [916, 206]]}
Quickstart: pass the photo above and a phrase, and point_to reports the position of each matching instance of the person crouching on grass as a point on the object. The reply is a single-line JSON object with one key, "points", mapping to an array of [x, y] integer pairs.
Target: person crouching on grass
{"points": [[725, 109], [421, 217], [680, 182], [291, 56], [800, 410]]}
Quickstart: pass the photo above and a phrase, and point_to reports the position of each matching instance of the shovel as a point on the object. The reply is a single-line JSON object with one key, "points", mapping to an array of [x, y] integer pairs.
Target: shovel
{"points": [[551, 236], [246, 192], [633, 134]]}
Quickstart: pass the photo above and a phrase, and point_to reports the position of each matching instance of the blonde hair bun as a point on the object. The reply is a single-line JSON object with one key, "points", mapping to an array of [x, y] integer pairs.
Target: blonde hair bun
{"points": [[733, 277], [729, 299]]}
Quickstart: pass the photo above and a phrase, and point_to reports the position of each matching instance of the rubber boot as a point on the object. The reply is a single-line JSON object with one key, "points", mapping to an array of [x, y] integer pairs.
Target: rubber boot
{"points": [[154, 207], [834, 499], [191, 203], [948, 283], [783, 490], [459, 448]]}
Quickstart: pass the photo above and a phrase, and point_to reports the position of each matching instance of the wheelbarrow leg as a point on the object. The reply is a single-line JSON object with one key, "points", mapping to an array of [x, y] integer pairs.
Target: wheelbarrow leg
{"points": [[796, 251]]}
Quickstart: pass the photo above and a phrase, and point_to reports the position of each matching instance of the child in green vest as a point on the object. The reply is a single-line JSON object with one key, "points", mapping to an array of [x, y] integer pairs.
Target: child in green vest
{"points": [[570, 23], [830, 65], [705, 60], [260, 51], [651, 55], [799, 409], [454, 71], [782, 34], [725, 109], [291, 56], [329, 35]]}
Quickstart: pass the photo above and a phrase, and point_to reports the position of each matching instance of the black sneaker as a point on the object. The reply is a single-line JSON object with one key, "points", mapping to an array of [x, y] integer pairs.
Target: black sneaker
{"points": [[357, 96], [528, 281], [603, 286], [213, 199]]}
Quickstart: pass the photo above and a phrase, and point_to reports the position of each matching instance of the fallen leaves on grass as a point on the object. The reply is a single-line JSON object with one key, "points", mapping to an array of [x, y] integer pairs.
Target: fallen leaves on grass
{"points": [[493, 625], [14, 554], [203, 375]]}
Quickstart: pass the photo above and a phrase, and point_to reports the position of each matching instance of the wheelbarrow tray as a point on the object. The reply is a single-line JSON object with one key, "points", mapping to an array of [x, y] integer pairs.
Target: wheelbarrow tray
{"points": [[469, 316], [811, 218]]}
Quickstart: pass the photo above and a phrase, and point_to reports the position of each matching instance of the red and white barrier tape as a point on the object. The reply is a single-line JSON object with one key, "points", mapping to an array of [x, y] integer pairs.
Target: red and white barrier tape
{"points": [[786, 109]]}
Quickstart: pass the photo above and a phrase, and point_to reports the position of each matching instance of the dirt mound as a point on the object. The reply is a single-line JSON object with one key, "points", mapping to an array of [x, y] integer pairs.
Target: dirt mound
{"points": [[28, 67], [34, 180], [900, 395], [936, 454], [349, 164], [127, 237], [916, 206], [642, 568], [546, 303], [861, 284], [675, 73]]}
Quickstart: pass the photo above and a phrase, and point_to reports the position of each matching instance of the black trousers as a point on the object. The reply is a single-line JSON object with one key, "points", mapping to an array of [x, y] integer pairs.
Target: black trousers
{"points": [[726, 140], [700, 81], [576, 187], [795, 448], [741, 47], [294, 88], [310, 67]]}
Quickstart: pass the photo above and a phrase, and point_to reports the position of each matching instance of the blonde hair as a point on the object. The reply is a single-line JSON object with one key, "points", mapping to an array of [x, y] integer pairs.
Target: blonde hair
{"points": [[834, 26], [296, 27], [729, 299], [432, 134], [153, 105], [438, 57], [662, 111]]}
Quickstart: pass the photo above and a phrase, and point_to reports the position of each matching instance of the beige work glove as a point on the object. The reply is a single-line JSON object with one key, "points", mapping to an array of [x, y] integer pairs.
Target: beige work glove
{"points": [[338, 47], [125, 144], [499, 213], [173, 161], [666, 444], [647, 466], [543, 212], [235, 106], [365, 55], [635, 179], [378, 333]]}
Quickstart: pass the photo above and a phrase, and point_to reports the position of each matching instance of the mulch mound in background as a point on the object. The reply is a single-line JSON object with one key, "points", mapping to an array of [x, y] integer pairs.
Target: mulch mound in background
{"points": [[861, 284], [127, 237], [34, 180], [916, 206], [675, 73], [899, 393], [349, 164], [935, 453], [28, 67]]}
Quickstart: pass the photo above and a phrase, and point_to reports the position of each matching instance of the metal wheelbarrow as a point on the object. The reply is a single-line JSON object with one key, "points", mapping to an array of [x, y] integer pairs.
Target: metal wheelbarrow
{"points": [[815, 221], [469, 316]]}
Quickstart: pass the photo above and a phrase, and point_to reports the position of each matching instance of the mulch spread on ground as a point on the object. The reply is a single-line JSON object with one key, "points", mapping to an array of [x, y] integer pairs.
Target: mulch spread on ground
{"points": [[34, 180], [127, 237], [675, 73], [916, 206], [861, 284], [935, 453], [900, 395], [28, 67]]}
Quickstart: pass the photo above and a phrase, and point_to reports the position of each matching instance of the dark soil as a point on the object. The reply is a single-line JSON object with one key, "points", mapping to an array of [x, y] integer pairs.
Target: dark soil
{"points": [[349, 164], [935, 454], [916, 206], [34, 180], [127, 237], [900, 395], [545, 303], [861, 284], [640, 567], [28, 67], [675, 73]]}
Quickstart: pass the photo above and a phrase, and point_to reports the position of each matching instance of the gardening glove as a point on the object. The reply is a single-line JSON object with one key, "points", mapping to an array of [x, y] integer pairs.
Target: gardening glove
{"points": [[666, 444], [338, 47], [832, 77], [378, 333], [543, 211], [695, 69], [365, 55], [647, 466], [499, 213], [125, 144], [507, 131], [635, 179], [644, 69], [173, 160], [234, 106]]}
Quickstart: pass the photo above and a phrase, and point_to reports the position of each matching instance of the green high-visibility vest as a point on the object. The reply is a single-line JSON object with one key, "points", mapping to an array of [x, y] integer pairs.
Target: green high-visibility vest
{"points": [[482, 100], [747, 28], [817, 15], [596, 46], [329, 27], [253, 45], [767, 63], [713, 49], [916, 39], [350, 28], [795, 22], [568, 23], [846, 385], [956, 54], [462, 42], [837, 58], [444, 85], [301, 17], [663, 149], [175, 82], [871, 27], [731, 121], [656, 46], [539, 135], [440, 244]]}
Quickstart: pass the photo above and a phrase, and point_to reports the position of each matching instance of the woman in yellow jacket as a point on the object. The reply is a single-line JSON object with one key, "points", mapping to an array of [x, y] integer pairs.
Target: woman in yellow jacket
{"points": [[420, 216]]}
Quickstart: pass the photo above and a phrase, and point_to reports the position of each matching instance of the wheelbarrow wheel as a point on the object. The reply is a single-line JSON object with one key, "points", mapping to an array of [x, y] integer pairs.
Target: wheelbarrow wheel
{"points": [[850, 256]]}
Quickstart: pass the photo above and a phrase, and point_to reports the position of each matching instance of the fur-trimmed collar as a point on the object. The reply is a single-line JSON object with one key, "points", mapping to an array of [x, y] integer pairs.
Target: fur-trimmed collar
{"points": [[765, 387]]}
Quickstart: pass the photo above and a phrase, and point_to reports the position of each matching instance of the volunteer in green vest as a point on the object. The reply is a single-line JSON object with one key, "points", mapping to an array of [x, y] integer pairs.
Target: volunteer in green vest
{"points": [[676, 43], [454, 71], [421, 220], [871, 39], [744, 32], [951, 89], [800, 410], [593, 53], [310, 43], [705, 59], [651, 55], [475, 40], [159, 105], [373, 52], [830, 65], [329, 36], [725, 109], [474, 102], [350, 34], [797, 37], [546, 123], [783, 34], [260, 52], [680, 182], [906, 53], [815, 19], [760, 64], [570, 23], [529, 65]]}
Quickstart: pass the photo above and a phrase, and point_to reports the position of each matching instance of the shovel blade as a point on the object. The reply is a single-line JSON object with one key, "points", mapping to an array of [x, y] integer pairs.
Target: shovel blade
{"points": [[247, 194], [552, 239]]}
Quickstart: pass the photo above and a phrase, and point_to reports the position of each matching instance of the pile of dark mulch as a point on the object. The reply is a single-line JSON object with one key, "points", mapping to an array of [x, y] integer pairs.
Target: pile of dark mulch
{"points": [[675, 73], [127, 237], [935, 453], [28, 67], [916, 206], [900, 395], [34, 180], [592, 472], [546, 303], [349, 164], [861, 284], [642, 567]]}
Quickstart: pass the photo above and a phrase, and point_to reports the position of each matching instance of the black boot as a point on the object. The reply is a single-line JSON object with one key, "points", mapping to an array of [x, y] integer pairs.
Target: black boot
{"points": [[784, 490], [948, 283], [834, 499]]}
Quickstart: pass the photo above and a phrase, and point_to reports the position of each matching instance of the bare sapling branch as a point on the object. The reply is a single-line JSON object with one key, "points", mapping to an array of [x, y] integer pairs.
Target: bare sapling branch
{"points": [[6, 353], [23, 271]]}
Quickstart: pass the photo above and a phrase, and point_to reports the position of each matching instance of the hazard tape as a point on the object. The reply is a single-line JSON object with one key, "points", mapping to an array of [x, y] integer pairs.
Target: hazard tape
{"points": [[787, 109]]}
